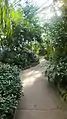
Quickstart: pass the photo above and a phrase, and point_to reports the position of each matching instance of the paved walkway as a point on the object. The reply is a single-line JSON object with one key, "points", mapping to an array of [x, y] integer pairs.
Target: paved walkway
{"points": [[40, 100]]}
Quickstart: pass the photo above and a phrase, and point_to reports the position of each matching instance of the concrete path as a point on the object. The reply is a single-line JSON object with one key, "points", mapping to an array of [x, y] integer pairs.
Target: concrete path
{"points": [[40, 100]]}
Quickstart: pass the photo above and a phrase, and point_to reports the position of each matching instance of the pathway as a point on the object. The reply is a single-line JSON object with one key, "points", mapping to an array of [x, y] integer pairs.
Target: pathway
{"points": [[40, 100]]}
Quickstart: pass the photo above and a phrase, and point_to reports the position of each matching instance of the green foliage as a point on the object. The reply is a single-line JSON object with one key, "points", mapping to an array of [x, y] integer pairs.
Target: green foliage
{"points": [[18, 50], [10, 90], [21, 58], [5, 21], [15, 49], [17, 35], [57, 71]]}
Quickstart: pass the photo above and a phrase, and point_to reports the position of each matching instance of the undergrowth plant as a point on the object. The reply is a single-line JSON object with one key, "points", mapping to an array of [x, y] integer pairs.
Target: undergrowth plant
{"points": [[10, 90], [57, 71]]}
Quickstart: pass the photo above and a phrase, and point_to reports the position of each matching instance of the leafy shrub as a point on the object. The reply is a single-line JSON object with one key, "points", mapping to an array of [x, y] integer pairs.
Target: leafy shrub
{"points": [[58, 75], [57, 71], [10, 90], [22, 58]]}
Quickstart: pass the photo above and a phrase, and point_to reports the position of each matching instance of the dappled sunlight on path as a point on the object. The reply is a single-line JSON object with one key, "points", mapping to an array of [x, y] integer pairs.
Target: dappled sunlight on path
{"points": [[31, 78], [40, 100]]}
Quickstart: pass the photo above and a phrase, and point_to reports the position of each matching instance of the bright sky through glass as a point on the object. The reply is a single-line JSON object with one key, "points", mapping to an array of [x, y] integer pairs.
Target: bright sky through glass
{"points": [[44, 12], [39, 2]]}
